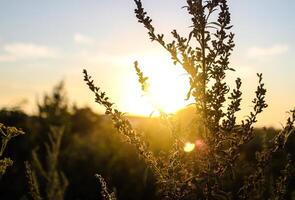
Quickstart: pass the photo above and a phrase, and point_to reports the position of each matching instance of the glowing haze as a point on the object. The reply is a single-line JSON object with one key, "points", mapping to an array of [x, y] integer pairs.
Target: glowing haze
{"points": [[43, 42]]}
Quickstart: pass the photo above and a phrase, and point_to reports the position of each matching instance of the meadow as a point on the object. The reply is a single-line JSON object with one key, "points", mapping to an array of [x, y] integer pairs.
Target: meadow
{"points": [[91, 145]]}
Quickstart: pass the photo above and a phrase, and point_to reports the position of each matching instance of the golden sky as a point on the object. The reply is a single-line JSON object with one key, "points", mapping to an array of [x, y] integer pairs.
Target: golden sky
{"points": [[44, 42]]}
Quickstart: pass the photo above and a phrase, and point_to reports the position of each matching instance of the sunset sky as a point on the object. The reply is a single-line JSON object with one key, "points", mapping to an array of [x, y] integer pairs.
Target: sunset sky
{"points": [[43, 42]]}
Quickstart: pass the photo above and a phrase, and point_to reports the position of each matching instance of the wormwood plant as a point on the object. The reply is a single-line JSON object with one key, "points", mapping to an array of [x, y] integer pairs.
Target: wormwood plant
{"points": [[7, 133], [48, 176], [214, 170], [106, 195]]}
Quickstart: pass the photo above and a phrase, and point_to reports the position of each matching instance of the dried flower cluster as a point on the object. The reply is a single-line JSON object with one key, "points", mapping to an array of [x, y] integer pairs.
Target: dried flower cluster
{"points": [[6, 133], [106, 195]]}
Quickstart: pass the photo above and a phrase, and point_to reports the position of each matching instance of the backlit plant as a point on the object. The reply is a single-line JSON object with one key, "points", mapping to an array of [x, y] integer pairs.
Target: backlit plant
{"points": [[46, 181], [6, 134], [209, 167]]}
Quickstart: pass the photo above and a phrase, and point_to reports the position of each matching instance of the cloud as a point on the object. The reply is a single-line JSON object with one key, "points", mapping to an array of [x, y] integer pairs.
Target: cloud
{"points": [[7, 58], [83, 39], [269, 51], [21, 51]]}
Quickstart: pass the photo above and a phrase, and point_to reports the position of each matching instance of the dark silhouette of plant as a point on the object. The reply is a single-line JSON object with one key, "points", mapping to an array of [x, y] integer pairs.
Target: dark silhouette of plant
{"points": [[106, 195], [54, 181], [33, 182], [212, 170], [7, 133]]}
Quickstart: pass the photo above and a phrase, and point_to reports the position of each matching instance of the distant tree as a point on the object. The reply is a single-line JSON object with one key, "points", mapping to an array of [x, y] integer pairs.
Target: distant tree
{"points": [[13, 117], [84, 121], [53, 109]]}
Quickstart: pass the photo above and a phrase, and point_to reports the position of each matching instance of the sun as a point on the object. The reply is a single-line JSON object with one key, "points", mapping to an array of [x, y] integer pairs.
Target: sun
{"points": [[167, 88]]}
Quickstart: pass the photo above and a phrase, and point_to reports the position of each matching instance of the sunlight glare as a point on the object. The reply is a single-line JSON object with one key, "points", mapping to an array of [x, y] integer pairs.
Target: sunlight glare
{"points": [[167, 87], [189, 147]]}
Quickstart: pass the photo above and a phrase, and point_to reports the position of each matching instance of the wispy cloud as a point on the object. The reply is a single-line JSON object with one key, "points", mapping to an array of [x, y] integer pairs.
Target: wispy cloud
{"points": [[268, 51], [20, 51], [83, 39], [7, 58]]}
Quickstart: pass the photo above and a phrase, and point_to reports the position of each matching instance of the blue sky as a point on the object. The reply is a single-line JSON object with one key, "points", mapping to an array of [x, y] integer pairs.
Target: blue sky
{"points": [[42, 42]]}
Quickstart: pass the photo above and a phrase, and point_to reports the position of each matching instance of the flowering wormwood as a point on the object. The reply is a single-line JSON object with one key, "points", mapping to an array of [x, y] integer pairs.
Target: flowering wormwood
{"points": [[214, 172]]}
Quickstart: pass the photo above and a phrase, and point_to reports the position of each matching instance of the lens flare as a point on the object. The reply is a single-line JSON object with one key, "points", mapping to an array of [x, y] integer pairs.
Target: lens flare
{"points": [[200, 145], [189, 147]]}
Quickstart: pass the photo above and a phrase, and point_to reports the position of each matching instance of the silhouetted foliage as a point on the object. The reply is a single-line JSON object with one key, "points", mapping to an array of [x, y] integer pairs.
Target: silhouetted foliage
{"points": [[106, 195], [91, 146], [6, 133], [54, 181], [230, 159], [213, 170]]}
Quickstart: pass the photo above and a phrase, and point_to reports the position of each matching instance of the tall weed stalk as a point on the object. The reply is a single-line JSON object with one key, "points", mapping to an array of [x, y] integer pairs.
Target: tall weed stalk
{"points": [[211, 171]]}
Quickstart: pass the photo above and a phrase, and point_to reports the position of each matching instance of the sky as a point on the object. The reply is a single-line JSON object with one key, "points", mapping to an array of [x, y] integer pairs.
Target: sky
{"points": [[44, 42]]}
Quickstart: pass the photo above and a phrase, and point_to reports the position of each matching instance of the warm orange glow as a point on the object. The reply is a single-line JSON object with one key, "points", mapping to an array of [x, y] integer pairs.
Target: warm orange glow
{"points": [[189, 147], [167, 87], [200, 145]]}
